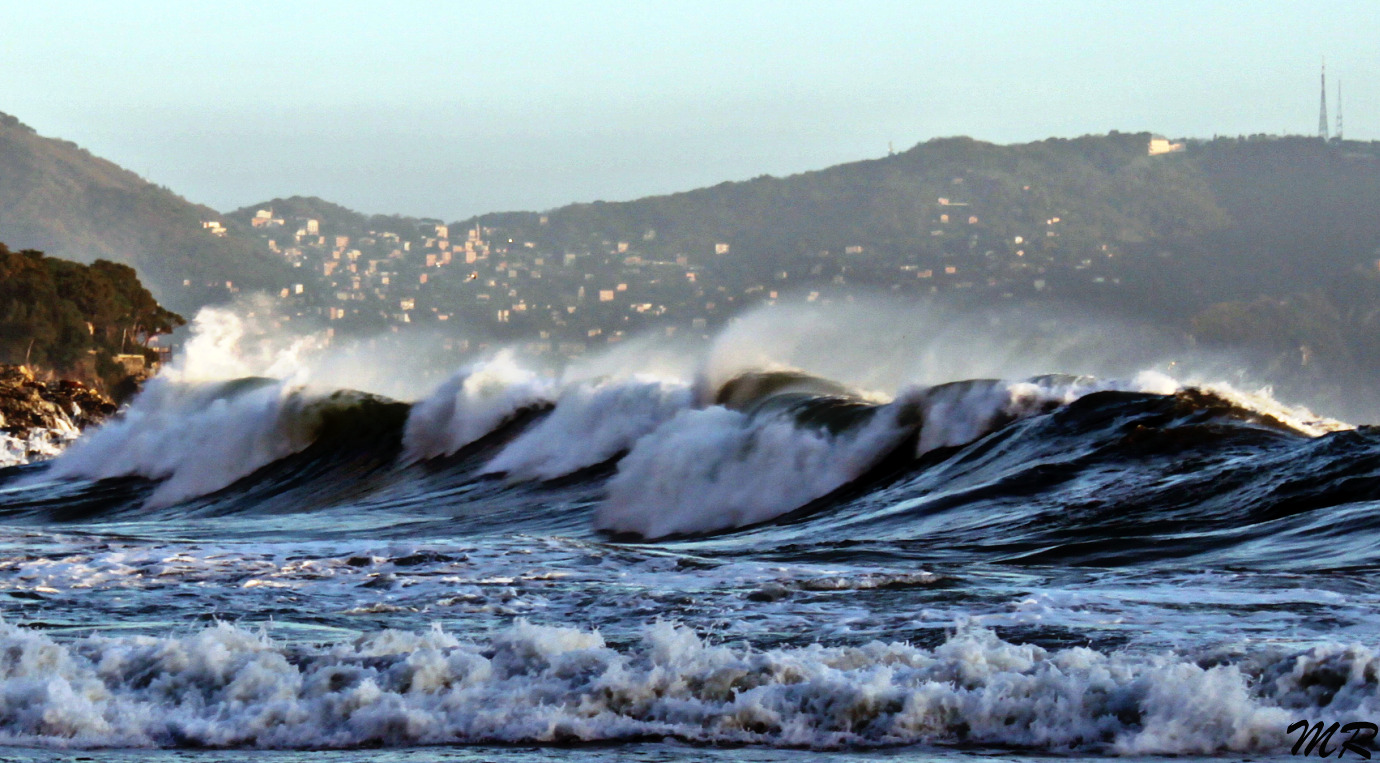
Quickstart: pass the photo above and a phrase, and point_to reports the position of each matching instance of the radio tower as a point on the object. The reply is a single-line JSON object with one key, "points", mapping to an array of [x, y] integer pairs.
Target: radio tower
{"points": [[1338, 132], [1322, 109]]}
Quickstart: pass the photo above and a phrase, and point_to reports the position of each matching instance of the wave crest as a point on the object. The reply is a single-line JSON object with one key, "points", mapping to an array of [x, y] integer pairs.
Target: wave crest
{"points": [[198, 438], [227, 687], [591, 423], [471, 404]]}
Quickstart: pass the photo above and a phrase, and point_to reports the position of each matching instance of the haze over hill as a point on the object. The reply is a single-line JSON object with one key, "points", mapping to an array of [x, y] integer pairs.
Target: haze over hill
{"points": [[1239, 217], [1263, 242], [60, 199]]}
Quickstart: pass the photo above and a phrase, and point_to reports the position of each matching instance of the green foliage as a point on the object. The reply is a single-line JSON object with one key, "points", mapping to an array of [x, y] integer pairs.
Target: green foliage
{"points": [[53, 312]]}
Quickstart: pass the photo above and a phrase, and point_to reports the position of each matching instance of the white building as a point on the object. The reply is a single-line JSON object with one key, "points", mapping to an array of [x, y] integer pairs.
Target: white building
{"points": [[1161, 145]]}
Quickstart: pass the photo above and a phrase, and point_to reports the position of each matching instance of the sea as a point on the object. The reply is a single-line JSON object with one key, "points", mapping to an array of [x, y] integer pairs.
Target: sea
{"points": [[743, 559]]}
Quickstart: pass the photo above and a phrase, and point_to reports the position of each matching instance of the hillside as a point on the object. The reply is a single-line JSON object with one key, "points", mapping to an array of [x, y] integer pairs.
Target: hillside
{"points": [[1091, 220], [57, 197], [1261, 243], [1265, 246], [334, 217], [1224, 219], [91, 322]]}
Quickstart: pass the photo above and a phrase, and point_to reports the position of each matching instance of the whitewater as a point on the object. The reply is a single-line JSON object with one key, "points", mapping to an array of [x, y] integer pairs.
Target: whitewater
{"points": [[734, 553]]}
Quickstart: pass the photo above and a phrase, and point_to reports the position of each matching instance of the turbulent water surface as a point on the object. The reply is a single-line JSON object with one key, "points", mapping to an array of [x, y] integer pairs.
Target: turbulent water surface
{"points": [[770, 566]]}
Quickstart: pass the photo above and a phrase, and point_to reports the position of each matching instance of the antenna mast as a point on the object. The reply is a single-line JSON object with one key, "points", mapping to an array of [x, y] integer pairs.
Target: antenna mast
{"points": [[1322, 108]]}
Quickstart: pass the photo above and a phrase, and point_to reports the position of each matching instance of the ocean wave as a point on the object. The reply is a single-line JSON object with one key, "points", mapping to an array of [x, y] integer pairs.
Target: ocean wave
{"points": [[196, 438], [779, 440], [714, 468], [960, 412], [228, 687], [590, 424], [684, 461], [470, 404]]}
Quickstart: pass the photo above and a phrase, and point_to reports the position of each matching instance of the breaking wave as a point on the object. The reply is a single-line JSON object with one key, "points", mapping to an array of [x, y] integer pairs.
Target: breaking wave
{"points": [[197, 438], [470, 405], [590, 424], [674, 459], [1032, 538], [228, 687]]}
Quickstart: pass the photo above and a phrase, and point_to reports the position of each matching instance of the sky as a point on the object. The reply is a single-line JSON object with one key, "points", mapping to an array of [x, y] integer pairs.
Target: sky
{"points": [[450, 109]]}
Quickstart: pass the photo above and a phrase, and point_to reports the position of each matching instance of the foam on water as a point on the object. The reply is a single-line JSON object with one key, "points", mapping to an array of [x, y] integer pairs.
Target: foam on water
{"points": [[40, 445], [714, 468], [592, 422], [472, 403], [195, 437], [229, 687]]}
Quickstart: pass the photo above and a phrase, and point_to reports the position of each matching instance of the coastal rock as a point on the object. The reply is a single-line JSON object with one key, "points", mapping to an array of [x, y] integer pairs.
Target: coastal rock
{"points": [[38, 419]]}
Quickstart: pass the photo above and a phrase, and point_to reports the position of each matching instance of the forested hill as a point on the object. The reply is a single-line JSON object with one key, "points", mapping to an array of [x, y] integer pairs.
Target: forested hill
{"points": [[1261, 241], [1229, 218], [74, 319], [57, 197], [332, 217]]}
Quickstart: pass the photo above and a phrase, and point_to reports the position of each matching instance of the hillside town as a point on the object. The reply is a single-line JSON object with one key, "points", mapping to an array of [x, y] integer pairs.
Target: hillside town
{"points": [[1127, 223], [516, 282]]}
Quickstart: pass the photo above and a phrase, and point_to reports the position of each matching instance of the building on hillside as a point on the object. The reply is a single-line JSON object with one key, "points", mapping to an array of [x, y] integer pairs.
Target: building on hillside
{"points": [[1161, 145], [264, 219], [130, 363]]}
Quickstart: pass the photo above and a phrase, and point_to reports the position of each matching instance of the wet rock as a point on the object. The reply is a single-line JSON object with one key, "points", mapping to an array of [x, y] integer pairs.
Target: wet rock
{"points": [[37, 419]]}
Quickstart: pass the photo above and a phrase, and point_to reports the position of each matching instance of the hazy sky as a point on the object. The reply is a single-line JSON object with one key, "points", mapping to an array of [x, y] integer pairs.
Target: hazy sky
{"points": [[449, 109]]}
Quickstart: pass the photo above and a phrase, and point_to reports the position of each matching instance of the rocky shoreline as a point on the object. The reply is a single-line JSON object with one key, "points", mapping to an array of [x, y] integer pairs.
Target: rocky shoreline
{"points": [[38, 419]]}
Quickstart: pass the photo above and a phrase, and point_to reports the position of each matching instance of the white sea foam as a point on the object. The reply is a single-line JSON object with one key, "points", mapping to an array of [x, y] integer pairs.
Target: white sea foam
{"points": [[228, 687], [197, 438], [961, 413], [40, 445], [714, 468], [592, 422], [472, 403]]}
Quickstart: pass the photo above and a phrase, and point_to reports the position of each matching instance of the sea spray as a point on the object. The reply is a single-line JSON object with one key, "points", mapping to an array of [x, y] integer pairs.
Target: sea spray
{"points": [[591, 423], [227, 687], [196, 437], [238, 342], [470, 404]]}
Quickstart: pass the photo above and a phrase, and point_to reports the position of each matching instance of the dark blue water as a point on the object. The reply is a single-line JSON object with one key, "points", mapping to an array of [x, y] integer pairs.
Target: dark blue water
{"points": [[1057, 565]]}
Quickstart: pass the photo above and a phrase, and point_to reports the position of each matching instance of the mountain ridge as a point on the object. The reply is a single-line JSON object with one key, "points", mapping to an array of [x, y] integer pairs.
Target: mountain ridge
{"points": [[1220, 239], [61, 199]]}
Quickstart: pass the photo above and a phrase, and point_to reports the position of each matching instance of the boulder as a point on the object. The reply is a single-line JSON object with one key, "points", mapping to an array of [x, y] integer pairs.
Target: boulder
{"points": [[40, 418]]}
